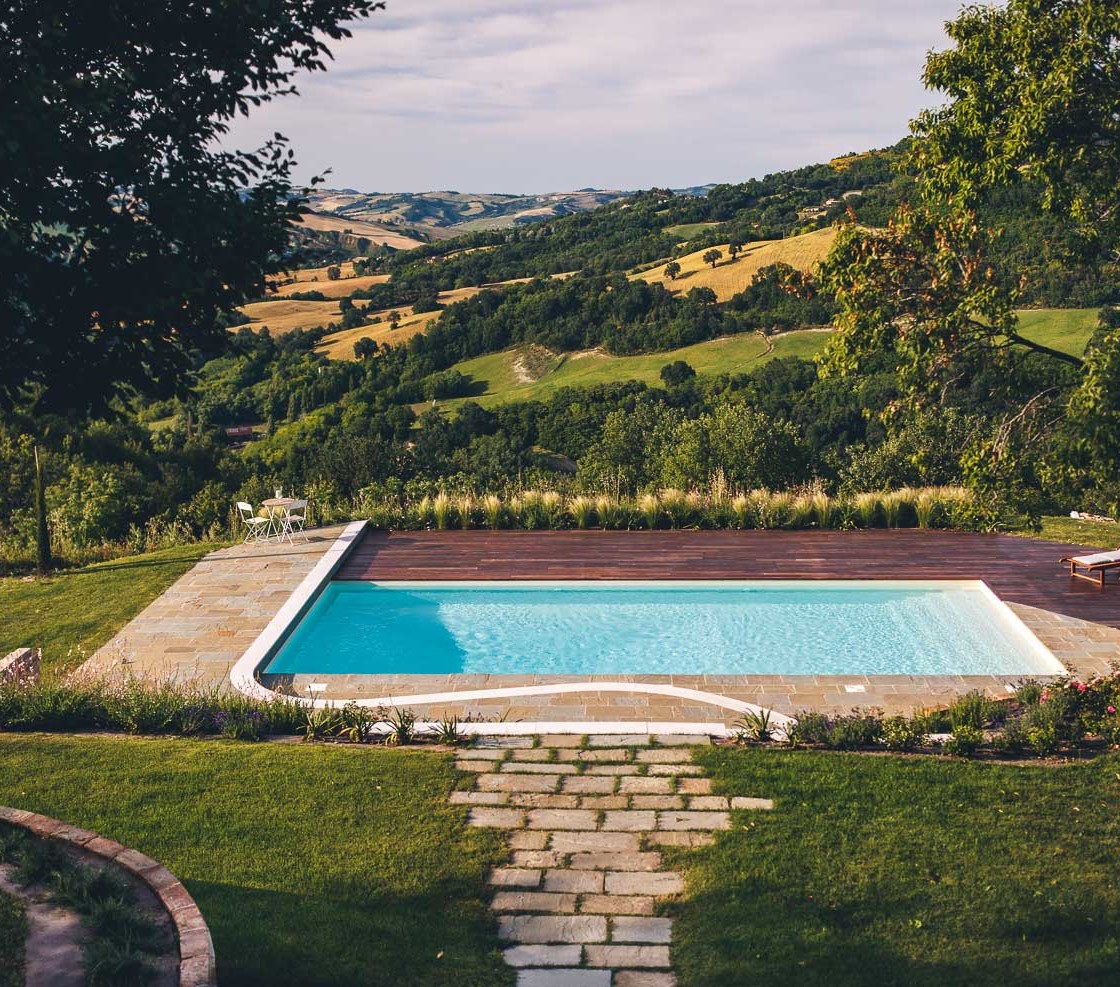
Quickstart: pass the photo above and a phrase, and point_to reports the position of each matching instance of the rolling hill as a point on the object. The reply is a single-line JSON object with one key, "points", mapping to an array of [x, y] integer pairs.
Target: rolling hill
{"points": [[731, 276], [440, 215]]}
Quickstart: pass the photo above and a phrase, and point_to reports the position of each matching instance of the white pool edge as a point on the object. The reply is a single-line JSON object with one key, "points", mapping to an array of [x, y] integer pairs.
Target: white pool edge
{"points": [[243, 675]]}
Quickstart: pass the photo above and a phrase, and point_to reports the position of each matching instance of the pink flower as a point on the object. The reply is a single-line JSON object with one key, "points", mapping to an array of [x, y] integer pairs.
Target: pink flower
{"points": [[1112, 709], [1044, 697], [1081, 686]]}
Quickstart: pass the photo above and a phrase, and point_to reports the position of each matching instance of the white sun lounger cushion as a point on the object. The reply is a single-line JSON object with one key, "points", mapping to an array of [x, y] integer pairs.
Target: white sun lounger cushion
{"points": [[1099, 559]]}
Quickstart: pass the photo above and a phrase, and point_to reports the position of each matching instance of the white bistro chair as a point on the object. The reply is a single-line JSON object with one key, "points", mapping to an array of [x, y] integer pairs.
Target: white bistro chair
{"points": [[293, 520], [256, 527]]}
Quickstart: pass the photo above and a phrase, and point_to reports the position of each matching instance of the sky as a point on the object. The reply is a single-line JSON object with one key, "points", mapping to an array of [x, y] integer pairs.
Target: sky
{"points": [[555, 95]]}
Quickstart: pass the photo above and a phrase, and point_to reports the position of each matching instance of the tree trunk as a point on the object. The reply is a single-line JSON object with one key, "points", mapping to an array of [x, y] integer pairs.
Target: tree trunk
{"points": [[42, 532]]}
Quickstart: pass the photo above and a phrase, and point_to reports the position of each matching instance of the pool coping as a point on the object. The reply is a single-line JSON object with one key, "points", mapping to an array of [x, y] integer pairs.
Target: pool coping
{"points": [[244, 674]]}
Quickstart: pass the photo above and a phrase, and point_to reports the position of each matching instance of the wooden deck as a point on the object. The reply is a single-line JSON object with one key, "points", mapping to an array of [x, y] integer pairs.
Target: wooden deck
{"points": [[1019, 570]]}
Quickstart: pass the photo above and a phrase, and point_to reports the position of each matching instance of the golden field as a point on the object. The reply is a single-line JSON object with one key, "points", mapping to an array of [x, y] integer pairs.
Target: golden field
{"points": [[730, 277]]}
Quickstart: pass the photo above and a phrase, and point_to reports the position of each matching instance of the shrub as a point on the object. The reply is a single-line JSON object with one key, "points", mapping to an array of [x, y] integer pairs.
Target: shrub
{"points": [[754, 726], [859, 730], [900, 733], [964, 742], [972, 710]]}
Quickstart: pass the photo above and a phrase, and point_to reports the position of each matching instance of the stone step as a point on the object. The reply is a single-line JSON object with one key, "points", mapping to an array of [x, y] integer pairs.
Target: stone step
{"points": [[638, 882], [611, 860], [616, 904], [534, 754], [691, 820], [679, 838], [675, 769], [641, 930], [573, 881], [496, 818], [628, 956], [519, 767], [517, 783], [533, 901], [599, 755], [515, 877], [619, 740], [553, 928], [589, 784], [564, 978], [664, 755], [570, 955], [585, 842]]}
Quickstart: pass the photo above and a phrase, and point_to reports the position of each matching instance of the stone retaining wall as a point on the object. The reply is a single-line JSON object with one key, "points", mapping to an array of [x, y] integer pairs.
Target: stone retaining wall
{"points": [[21, 665], [197, 966]]}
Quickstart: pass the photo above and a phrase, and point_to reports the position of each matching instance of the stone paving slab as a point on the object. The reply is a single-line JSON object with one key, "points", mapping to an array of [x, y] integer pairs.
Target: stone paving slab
{"points": [[198, 629], [579, 892]]}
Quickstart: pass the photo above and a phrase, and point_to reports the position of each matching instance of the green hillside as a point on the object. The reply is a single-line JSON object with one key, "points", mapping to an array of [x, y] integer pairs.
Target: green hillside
{"points": [[528, 373]]}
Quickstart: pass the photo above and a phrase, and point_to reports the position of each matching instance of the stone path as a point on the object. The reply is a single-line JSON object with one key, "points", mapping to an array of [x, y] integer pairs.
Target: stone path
{"points": [[578, 898]]}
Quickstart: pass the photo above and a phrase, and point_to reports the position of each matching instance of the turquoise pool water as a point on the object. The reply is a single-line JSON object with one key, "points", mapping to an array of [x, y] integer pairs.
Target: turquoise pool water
{"points": [[606, 628]]}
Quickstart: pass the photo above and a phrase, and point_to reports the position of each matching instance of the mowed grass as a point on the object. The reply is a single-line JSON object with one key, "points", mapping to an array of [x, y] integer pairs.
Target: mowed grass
{"points": [[286, 315], [339, 288], [13, 933], [729, 277], [315, 866], [905, 871], [72, 613], [1065, 329], [686, 231], [1094, 534], [501, 377]]}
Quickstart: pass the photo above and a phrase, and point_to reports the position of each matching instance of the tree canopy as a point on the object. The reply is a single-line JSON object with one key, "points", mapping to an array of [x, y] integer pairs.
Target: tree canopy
{"points": [[125, 228]]}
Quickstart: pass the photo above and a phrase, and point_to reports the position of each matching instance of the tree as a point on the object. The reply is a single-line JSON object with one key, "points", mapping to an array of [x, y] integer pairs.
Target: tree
{"points": [[394, 319], [1032, 94], [672, 269], [712, 257], [127, 229], [365, 347], [734, 248], [334, 272], [676, 373]]}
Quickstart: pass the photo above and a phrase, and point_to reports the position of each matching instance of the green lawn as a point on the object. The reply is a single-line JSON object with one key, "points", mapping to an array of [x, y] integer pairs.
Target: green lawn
{"points": [[908, 871], [314, 865], [686, 231], [13, 932], [73, 613], [1094, 533], [1065, 329]]}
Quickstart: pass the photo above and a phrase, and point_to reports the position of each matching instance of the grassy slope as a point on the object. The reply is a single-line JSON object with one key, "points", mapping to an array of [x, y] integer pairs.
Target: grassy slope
{"points": [[1097, 534], [313, 866], [730, 277], [906, 871], [1065, 329], [686, 231], [73, 613], [13, 932], [731, 354]]}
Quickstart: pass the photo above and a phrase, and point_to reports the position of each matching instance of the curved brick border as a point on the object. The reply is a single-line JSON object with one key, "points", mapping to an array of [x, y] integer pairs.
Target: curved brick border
{"points": [[197, 966]]}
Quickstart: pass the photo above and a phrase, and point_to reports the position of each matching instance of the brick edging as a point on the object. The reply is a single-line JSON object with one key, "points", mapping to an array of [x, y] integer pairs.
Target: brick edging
{"points": [[197, 965]]}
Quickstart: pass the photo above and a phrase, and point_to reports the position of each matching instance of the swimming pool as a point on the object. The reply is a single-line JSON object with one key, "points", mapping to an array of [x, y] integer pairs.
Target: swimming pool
{"points": [[764, 627]]}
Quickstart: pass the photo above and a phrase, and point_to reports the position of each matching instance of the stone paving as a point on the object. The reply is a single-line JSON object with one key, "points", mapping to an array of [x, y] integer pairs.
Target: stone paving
{"points": [[199, 627], [579, 899]]}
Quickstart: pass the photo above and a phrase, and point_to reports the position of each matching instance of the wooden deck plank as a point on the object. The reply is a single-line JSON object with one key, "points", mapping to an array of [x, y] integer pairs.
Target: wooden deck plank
{"points": [[1020, 570]]}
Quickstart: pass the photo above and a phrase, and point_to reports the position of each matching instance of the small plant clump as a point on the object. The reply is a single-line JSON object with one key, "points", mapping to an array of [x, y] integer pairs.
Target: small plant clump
{"points": [[1041, 720], [124, 940]]}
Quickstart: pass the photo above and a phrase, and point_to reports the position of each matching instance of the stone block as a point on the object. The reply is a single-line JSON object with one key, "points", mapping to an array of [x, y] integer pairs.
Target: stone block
{"points": [[638, 929], [573, 881], [680, 838], [628, 956], [694, 820], [539, 769], [629, 821], [552, 928], [564, 978], [639, 861], [496, 818], [586, 842], [563, 819], [532, 901], [517, 783], [613, 904], [742, 802], [515, 877], [588, 785], [645, 785], [543, 955], [652, 883], [665, 755], [694, 786]]}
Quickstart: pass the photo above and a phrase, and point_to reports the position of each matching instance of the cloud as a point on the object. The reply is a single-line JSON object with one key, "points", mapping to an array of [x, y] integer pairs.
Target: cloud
{"points": [[485, 95]]}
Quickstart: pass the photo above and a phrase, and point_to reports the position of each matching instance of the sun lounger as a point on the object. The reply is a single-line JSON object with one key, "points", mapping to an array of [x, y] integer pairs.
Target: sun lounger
{"points": [[1094, 566]]}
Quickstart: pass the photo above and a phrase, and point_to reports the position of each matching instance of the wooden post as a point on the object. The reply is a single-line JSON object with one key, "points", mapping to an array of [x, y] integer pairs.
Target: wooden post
{"points": [[42, 532]]}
